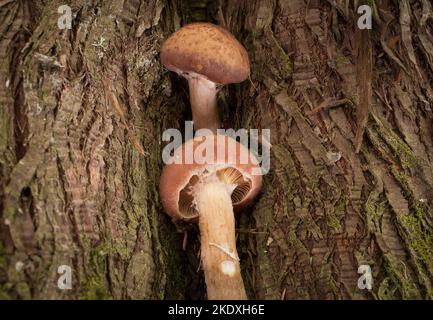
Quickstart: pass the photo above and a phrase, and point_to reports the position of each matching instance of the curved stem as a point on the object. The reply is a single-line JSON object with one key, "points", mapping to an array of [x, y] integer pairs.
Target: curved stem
{"points": [[218, 243], [204, 104]]}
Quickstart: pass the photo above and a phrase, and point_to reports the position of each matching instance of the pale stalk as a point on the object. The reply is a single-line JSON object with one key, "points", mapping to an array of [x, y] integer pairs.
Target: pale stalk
{"points": [[218, 243], [204, 104]]}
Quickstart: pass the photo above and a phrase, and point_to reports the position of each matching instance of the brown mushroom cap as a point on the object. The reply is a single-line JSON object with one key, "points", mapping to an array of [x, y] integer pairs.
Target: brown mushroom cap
{"points": [[208, 50], [177, 179]]}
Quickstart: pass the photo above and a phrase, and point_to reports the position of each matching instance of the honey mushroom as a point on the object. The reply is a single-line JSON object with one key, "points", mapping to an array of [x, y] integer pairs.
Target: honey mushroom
{"points": [[208, 56], [207, 191]]}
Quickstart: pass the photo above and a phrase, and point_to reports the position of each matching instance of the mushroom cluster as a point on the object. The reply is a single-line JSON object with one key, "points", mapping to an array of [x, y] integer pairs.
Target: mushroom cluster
{"points": [[209, 191]]}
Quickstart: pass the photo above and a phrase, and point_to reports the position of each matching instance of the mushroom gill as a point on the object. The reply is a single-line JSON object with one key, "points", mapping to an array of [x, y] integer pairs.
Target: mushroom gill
{"points": [[229, 176]]}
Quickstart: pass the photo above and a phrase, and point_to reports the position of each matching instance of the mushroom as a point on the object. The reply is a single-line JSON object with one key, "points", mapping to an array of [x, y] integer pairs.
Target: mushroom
{"points": [[207, 191], [208, 56]]}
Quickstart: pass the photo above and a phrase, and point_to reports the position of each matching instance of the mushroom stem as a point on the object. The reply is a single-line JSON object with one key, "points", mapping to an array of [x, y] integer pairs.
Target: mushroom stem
{"points": [[204, 104], [218, 242]]}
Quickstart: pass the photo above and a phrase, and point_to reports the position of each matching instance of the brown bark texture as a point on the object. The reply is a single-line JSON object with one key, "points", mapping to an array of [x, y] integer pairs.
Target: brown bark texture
{"points": [[82, 113]]}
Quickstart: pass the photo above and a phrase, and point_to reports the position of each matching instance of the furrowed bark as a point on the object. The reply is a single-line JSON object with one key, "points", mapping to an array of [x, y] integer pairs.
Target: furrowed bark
{"points": [[350, 184], [80, 109], [325, 209]]}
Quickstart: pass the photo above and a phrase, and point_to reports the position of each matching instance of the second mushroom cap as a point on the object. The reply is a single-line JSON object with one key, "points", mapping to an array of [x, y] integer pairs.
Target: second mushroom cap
{"points": [[221, 156]]}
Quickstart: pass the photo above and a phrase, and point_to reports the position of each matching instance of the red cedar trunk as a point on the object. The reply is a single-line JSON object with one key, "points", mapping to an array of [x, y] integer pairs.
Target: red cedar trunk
{"points": [[350, 112]]}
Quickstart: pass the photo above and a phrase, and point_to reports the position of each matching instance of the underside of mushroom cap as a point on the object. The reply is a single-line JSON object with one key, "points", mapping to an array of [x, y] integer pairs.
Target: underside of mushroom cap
{"points": [[208, 50], [178, 180]]}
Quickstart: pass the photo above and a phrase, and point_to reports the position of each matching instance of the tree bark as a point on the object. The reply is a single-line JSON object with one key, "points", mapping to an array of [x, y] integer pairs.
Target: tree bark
{"points": [[82, 112]]}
